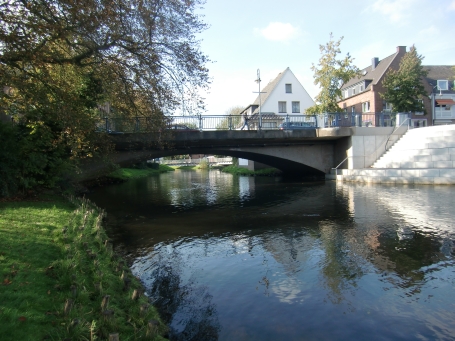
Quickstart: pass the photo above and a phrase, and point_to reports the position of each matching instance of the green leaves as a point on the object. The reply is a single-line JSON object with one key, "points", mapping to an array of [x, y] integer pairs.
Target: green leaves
{"points": [[403, 87], [330, 75]]}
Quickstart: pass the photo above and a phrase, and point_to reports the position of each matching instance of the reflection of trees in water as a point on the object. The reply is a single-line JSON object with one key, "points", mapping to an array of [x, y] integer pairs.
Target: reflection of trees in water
{"points": [[186, 307], [342, 266]]}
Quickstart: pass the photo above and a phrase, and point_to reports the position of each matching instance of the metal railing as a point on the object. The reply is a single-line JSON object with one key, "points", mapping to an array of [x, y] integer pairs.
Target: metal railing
{"points": [[406, 122], [236, 122]]}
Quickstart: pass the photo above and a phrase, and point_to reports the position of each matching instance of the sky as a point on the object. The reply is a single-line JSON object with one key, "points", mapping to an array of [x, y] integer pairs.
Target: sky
{"points": [[244, 36]]}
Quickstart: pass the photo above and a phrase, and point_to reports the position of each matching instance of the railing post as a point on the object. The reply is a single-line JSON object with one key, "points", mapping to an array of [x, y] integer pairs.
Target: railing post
{"points": [[106, 124], [230, 122], [287, 120], [136, 128]]}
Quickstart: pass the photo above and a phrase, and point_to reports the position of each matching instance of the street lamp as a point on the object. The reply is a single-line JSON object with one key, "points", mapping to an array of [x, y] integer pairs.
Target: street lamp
{"points": [[258, 80]]}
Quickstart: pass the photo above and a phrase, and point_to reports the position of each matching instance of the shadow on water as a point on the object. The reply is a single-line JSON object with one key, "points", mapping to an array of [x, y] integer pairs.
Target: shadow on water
{"points": [[243, 258]]}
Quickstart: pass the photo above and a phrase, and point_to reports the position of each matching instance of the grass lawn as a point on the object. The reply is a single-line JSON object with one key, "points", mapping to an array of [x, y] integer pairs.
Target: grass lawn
{"points": [[56, 267]]}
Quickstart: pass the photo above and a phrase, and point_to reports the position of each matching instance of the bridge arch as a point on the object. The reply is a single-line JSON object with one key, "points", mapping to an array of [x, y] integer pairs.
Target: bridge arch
{"points": [[305, 160]]}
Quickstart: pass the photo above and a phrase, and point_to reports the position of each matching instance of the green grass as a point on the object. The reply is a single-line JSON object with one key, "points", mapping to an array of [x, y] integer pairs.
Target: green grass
{"points": [[133, 173], [185, 167], [56, 250], [243, 171]]}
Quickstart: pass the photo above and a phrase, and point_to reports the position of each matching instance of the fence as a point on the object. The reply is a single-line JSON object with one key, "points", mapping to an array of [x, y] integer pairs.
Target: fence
{"points": [[269, 122]]}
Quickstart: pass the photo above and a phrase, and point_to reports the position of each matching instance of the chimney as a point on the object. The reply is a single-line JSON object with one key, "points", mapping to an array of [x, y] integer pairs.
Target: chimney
{"points": [[401, 49], [374, 63]]}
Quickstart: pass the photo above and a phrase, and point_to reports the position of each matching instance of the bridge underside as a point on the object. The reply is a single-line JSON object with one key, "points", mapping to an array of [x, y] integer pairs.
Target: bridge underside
{"points": [[303, 153]]}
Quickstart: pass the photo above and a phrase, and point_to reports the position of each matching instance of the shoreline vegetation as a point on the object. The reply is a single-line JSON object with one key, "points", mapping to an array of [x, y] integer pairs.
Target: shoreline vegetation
{"points": [[124, 174], [232, 169], [61, 279]]}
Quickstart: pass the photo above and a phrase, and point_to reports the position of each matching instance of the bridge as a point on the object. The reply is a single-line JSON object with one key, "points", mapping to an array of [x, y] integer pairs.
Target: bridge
{"points": [[339, 140], [307, 152]]}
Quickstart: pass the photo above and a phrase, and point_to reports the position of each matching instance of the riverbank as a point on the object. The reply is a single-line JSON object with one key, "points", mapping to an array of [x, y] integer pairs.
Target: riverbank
{"points": [[232, 169], [61, 279]]}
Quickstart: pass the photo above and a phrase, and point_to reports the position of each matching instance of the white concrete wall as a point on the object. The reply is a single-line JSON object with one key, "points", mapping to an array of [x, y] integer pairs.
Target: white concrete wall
{"points": [[368, 144], [279, 94]]}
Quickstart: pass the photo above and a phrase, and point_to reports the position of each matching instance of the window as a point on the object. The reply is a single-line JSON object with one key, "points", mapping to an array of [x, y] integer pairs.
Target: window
{"points": [[421, 103], [281, 107], [289, 88], [353, 109], [366, 107], [296, 107], [386, 107]]}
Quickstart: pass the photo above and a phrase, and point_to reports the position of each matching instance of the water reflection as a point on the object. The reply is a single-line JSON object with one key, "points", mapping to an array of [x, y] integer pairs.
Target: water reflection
{"points": [[259, 259]]}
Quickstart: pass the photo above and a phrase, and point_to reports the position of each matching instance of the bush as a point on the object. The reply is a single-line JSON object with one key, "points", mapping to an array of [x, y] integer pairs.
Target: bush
{"points": [[29, 159]]}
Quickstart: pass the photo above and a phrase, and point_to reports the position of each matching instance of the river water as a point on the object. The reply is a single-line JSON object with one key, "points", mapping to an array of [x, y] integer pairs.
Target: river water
{"points": [[251, 258]]}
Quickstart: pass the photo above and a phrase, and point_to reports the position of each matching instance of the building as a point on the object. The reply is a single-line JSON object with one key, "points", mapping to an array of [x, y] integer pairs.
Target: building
{"points": [[441, 89], [363, 94], [282, 96]]}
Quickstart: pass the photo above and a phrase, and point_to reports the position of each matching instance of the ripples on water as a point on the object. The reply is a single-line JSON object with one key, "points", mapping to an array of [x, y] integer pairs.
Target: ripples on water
{"points": [[239, 258]]}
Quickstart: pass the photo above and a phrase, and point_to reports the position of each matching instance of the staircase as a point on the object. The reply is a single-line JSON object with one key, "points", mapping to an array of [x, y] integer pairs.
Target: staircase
{"points": [[421, 156]]}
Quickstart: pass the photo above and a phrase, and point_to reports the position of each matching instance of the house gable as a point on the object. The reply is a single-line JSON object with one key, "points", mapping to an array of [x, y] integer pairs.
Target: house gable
{"points": [[362, 93], [284, 95]]}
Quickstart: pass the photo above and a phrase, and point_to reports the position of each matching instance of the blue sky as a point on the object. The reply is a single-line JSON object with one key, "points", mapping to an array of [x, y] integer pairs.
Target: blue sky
{"points": [[271, 35]]}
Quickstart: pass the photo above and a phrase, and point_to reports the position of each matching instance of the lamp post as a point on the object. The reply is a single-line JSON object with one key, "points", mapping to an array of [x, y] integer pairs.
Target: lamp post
{"points": [[258, 80]]}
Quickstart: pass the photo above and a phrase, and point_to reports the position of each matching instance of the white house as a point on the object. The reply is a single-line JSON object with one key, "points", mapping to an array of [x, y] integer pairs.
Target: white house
{"points": [[283, 96]]}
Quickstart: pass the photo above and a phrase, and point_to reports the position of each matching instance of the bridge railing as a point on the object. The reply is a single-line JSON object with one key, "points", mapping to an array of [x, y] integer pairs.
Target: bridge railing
{"points": [[236, 122]]}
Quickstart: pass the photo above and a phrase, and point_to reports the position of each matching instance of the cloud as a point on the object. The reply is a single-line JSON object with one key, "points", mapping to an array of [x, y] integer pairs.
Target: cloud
{"points": [[278, 31], [429, 32], [452, 5], [395, 10]]}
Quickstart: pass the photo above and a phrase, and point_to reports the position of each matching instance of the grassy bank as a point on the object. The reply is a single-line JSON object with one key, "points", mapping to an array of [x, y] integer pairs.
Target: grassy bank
{"points": [[134, 173], [60, 279], [243, 171]]}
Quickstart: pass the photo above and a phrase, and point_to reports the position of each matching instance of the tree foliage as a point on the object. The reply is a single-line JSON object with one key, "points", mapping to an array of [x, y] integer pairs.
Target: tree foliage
{"points": [[233, 120], [61, 60], [331, 74], [403, 87]]}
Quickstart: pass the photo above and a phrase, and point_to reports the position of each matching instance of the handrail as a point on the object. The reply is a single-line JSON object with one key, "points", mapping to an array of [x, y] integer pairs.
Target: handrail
{"points": [[388, 138], [408, 120]]}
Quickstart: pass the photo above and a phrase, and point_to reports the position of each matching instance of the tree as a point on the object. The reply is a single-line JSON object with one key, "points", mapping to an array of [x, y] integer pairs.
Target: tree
{"points": [[233, 120], [63, 59], [403, 87], [331, 74]]}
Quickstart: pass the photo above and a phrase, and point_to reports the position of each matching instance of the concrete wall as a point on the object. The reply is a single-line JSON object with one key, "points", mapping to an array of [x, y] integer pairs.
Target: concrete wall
{"points": [[368, 144]]}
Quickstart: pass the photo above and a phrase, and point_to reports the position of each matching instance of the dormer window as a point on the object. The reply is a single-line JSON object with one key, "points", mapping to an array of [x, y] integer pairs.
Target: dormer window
{"points": [[289, 88]]}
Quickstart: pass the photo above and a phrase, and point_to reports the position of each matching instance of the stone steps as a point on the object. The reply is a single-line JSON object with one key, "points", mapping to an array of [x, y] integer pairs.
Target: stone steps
{"points": [[431, 147], [421, 156]]}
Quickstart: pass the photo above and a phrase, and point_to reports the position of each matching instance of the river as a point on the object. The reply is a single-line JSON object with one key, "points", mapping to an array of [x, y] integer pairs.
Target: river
{"points": [[251, 258]]}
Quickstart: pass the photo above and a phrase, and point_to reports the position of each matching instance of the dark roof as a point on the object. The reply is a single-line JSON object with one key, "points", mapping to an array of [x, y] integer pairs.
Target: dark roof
{"points": [[441, 72], [436, 72], [373, 75]]}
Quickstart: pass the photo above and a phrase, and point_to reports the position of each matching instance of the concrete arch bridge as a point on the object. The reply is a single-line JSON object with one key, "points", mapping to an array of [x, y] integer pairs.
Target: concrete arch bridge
{"points": [[306, 152]]}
